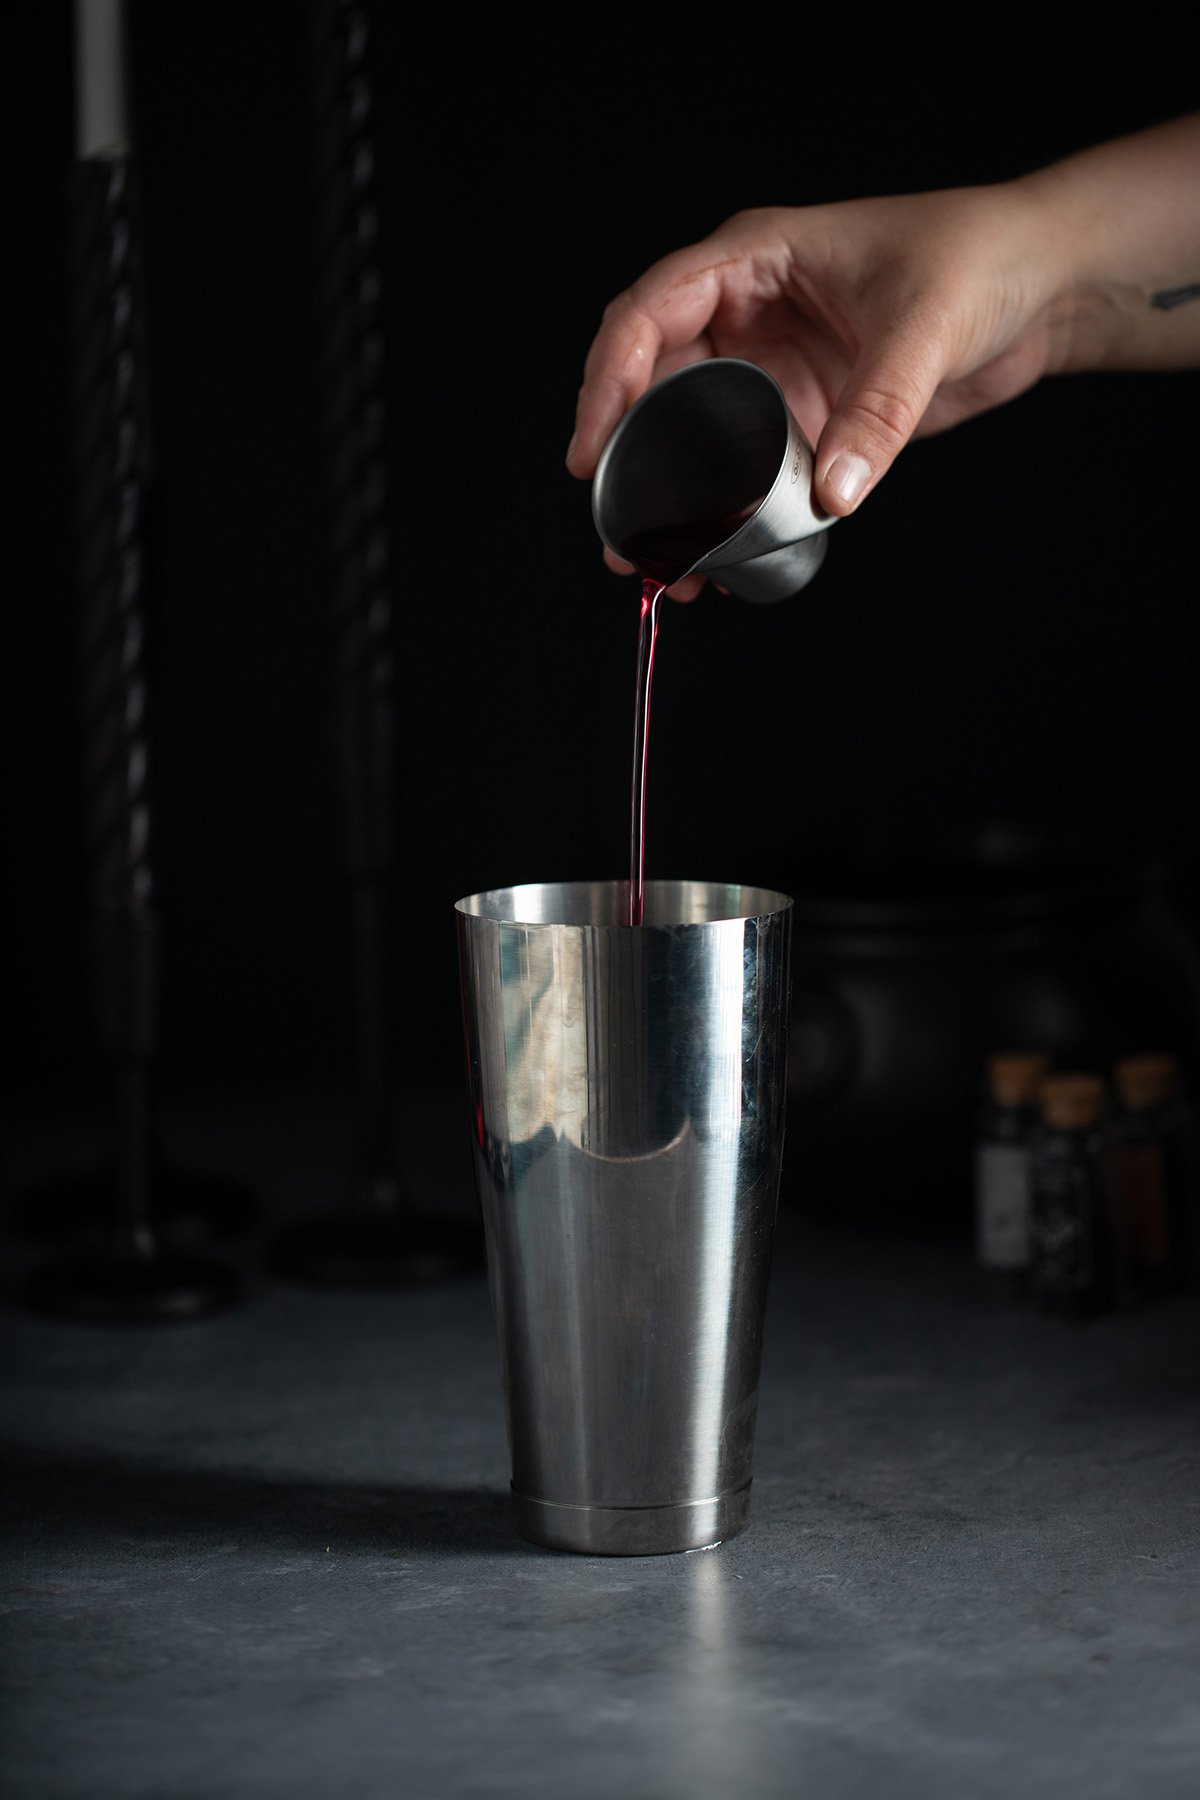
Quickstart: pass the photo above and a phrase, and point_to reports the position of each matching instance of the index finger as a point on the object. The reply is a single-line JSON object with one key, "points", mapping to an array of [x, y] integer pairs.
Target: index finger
{"points": [[664, 313]]}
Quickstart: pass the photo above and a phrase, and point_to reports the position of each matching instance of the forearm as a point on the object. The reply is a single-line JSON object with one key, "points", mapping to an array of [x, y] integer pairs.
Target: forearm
{"points": [[1122, 227]]}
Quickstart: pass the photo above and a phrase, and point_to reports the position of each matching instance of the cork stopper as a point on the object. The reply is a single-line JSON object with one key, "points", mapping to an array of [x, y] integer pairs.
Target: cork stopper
{"points": [[1014, 1078], [1146, 1081], [1072, 1102]]}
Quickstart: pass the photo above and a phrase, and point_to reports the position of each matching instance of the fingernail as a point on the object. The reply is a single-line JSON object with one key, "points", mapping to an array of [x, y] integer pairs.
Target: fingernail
{"points": [[848, 476], [572, 444]]}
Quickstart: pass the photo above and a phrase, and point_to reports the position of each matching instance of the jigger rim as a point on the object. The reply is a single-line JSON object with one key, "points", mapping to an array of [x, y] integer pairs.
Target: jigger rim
{"points": [[603, 905]]}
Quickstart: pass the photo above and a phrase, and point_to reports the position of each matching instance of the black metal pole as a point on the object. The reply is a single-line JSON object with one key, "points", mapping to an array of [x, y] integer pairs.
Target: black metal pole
{"points": [[381, 1234], [360, 572], [129, 1272]]}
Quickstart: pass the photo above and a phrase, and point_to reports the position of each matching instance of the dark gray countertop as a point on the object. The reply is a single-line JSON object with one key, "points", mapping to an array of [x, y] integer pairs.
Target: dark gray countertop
{"points": [[270, 1554]]}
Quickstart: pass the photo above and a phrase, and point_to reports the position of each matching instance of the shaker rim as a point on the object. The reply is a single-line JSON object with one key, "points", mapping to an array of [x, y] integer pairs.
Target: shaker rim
{"points": [[603, 905]]}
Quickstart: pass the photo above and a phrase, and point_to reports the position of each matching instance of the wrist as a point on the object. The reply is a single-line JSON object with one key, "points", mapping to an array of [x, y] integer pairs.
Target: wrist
{"points": [[1087, 307], [1118, 227]]}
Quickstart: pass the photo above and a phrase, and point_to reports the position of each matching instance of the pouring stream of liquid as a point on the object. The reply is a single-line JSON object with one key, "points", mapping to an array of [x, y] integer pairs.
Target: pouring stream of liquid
{"points": [[652, 594]]}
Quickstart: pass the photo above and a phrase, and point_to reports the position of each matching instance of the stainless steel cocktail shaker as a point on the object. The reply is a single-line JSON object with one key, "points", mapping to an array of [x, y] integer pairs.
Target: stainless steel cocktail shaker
{"points": [[627, 1093]]}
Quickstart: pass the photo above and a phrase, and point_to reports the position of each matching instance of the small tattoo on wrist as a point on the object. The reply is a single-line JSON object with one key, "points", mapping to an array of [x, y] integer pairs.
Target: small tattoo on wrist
{"points": [[1169, 297]]}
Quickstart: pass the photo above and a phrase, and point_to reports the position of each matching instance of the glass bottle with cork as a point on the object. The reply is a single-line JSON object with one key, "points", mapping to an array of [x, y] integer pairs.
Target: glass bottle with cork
{"points": [[1004, 1170], [1150, 1162], [1077, 1269]]}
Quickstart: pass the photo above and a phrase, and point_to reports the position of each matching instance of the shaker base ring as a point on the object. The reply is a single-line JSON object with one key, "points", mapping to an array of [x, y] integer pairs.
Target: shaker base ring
{"points": [[632, 1530]]}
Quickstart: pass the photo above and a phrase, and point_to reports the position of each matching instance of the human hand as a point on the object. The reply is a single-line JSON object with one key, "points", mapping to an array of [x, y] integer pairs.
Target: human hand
{"points": [[881, 319]]}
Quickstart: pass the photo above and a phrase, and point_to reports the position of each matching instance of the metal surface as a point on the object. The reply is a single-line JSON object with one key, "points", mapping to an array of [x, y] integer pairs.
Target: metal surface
{"points": [[707, 442], [627, 1091]]}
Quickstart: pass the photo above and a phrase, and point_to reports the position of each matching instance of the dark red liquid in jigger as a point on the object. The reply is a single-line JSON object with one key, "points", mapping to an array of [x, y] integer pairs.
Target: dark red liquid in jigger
{"points": [[661, 558]]}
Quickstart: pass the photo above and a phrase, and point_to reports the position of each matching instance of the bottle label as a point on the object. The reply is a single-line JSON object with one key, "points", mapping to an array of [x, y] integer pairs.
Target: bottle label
{"points": [[1002, 1205], [1063, 1249]]}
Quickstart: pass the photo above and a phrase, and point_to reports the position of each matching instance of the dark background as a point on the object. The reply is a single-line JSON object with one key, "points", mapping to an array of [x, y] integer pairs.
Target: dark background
{"points": [[1007, 630]]}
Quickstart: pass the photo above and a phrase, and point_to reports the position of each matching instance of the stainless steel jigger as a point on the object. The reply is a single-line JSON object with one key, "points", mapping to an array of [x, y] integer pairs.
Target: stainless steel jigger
{"points": [[627, 1109], [703, 444]]}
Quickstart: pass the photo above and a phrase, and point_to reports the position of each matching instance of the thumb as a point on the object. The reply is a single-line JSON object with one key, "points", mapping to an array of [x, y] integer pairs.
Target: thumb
{"points": [[893, 379]]}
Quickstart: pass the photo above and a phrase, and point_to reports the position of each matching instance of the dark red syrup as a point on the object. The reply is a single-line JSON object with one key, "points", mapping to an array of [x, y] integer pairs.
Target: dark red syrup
{"points": [[661, 558], [666, 554], [652, 593]]}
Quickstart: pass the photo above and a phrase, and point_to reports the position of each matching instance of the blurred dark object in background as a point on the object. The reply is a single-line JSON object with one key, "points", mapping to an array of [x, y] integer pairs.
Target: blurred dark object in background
{"points": [[128, 1269], [379, 1233], [919, 955]]}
